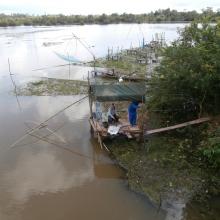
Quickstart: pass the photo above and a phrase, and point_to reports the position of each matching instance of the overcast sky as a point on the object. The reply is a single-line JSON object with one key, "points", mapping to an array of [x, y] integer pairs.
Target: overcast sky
{"points": [[101, 6]]}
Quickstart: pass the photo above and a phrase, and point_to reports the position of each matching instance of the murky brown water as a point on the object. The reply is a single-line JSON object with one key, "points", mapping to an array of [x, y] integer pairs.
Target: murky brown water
{"points": [[68, 178]]}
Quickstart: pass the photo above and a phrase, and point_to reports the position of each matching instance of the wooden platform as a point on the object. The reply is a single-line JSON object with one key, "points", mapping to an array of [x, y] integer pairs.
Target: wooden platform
{"points": [[125, 128], [130, 131]]}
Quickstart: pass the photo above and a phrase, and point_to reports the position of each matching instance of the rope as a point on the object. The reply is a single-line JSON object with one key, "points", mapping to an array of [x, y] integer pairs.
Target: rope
{"points": [[15, 87]]}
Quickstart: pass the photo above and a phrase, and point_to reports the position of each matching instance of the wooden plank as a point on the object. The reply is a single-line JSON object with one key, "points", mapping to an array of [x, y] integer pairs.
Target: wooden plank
{"points": [[128, 135], [132, 131], [197, 121]]}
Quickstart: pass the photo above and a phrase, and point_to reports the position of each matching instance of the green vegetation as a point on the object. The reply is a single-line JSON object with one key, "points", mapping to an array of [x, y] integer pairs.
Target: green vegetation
{"points": [[146, 167], [186, 85], [158, 16], [187, 82], [211, 148], [53, 87], [170, 167]]}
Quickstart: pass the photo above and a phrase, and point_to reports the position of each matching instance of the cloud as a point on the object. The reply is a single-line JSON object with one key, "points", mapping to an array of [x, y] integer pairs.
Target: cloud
{"points": [[100, 6], [41, 173]]}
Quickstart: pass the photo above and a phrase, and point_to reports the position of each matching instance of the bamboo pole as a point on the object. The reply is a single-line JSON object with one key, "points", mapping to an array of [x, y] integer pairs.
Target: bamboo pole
{"points": [[15, 87], [100, 140], [43, 123], [159, 130], [61, 147]]}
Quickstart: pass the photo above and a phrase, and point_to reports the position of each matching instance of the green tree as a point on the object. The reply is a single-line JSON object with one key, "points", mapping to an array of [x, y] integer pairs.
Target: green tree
{"points": [[187, 83]]}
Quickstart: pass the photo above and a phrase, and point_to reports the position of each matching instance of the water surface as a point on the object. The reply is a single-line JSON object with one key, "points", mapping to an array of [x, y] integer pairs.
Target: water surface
{"points": [[65, 176], [34, 48]]}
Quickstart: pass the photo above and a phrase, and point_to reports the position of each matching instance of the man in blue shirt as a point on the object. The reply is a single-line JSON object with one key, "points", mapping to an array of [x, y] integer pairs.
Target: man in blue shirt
{"points": [[132, 113]]}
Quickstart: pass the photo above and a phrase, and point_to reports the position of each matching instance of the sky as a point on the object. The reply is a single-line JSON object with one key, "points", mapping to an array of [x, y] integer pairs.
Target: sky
{"points": [[85, 7]]}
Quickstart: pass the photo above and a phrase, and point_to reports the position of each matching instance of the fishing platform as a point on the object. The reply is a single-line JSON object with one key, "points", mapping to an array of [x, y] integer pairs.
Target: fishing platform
{"points": [[102, 95]]}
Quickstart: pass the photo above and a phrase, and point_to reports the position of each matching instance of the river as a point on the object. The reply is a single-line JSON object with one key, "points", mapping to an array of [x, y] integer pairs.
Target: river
{"points": [[34, 48], [65, 174]]}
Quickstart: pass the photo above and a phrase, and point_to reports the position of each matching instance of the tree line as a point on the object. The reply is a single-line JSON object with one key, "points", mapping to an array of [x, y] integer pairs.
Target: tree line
{"points": [[158, 16]]}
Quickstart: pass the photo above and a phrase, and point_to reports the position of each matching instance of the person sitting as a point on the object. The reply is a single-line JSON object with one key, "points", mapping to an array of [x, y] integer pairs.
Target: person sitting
{"points": [[112, 115]]}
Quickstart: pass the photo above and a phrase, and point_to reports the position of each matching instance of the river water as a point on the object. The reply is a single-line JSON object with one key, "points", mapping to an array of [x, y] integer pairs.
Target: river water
{"points": [[59, 171], [33, 48]]}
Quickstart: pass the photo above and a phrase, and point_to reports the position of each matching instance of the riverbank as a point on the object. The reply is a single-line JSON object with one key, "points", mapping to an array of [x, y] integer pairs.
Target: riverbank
{"points": [[170, 170]]}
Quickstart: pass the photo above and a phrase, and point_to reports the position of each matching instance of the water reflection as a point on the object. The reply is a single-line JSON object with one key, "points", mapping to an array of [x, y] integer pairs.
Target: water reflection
{"points": [[43, 172], [104, 167], [37, 176]]}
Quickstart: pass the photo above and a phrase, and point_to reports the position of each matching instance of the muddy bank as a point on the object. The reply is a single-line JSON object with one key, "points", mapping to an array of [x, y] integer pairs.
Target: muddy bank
{"points": [[160, 170], [53, 87]]}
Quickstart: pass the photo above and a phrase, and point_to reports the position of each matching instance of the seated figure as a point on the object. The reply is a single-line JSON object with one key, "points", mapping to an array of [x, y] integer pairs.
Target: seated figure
{"points": [[112, 115]]}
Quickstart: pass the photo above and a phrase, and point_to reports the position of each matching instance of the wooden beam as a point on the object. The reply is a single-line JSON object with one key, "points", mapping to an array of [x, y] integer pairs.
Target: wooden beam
{"points": [[197, 121]]}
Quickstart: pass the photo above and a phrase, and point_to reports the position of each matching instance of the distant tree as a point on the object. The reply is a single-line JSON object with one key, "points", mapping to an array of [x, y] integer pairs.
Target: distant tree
{"points": [[165, 15]]}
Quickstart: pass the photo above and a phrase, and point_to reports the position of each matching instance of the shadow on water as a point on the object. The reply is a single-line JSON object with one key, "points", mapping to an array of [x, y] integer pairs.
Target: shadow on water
{"points": [[103, 166]]}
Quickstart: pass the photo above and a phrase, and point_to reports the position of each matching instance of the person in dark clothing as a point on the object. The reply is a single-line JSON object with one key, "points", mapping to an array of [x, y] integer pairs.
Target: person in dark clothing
{"points": [[132, 113], [112, 115]]}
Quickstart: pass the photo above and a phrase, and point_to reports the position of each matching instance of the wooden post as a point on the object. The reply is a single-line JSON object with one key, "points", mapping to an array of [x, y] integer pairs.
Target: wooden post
{"points": [[90, 96], [100, 140], [90, 105], [108, 54]]}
